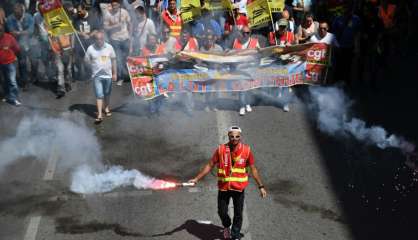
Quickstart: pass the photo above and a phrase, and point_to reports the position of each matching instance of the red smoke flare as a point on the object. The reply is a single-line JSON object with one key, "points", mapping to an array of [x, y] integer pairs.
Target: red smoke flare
{"points": [[162, 185]]}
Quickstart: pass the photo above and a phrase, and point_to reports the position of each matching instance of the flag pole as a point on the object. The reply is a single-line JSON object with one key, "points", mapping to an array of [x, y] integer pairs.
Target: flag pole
{"points": [[75, 31], [272, 22]]}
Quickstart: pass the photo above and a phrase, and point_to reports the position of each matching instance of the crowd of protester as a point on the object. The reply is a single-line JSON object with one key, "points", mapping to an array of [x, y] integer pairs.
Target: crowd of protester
{"points": [[370, 32]]}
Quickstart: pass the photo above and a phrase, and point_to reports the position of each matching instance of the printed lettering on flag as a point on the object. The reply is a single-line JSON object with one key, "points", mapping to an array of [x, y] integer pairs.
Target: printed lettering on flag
{"points": [[190, 9], [276, 5], [258, 13], [57, 22], [218, 5]]}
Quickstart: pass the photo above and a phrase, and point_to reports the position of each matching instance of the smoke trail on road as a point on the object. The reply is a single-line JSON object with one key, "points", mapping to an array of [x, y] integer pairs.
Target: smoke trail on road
{"points": [[43, 138], [87, 181], [332, 107]]}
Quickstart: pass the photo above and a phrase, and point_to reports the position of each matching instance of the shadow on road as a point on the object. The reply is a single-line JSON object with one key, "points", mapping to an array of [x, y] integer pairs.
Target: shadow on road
{"points": [[88, 109], [199, 230], [377, 191]]}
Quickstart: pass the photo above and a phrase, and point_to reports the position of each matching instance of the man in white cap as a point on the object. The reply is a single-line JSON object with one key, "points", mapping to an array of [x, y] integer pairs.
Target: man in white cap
{"points": [[233, 159]]}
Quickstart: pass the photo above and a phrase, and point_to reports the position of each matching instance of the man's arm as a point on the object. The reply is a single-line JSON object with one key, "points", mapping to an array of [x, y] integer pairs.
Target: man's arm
{"points": [[254, 173], [114, 70], [206, 169]]}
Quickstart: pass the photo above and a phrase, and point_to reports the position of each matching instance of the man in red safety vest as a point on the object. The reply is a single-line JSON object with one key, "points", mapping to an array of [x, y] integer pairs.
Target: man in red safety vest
{"points": [[172, 19], [233, 160], [245, 41], [187, 42], [152, 47]]}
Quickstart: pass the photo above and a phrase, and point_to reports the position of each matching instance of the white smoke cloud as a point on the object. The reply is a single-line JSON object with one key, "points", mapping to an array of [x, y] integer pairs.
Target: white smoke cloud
{"points": [[76, 147], [87, 181], [332, 107], [66, 138]]}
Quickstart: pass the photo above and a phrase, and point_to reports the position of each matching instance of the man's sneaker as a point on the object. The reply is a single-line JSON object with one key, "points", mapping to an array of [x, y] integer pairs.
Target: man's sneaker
{"points": [[286, 108], [248, 108], [215, 109], [119, 83], [207, 109], [242, 111], [227, 233], [60, 94], [14, 103], [279, 95], [3, 100]]}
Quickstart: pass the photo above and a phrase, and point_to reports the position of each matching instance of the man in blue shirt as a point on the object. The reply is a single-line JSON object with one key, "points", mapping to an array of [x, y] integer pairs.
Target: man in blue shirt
{"points": [[204, 23], [21, 26]]}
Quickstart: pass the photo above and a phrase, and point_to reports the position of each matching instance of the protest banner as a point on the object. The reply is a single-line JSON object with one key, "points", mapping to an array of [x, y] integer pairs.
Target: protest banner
{"points": [[200, 73], [276, 5], [55, 17], [258, 13], [189, 10]]}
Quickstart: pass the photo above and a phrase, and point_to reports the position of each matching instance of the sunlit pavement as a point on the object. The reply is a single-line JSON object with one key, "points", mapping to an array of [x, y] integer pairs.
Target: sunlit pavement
{"points": [[301, 204]]}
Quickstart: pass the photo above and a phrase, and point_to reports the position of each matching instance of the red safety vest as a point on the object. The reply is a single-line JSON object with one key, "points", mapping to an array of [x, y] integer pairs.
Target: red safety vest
{"points": [[289, 37], [192, 45], [173, 23], [60, 43], [387, 15], [158, 51], [252, 45], [232, 173]]}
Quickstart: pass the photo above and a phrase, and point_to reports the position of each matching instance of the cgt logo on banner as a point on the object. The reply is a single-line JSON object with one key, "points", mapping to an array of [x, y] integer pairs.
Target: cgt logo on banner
{"points": [[141, 74], [318, 59]]}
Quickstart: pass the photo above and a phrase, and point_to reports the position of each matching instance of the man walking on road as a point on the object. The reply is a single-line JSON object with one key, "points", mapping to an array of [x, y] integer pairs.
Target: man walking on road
{"points": [[102, 58], [232, 160]]}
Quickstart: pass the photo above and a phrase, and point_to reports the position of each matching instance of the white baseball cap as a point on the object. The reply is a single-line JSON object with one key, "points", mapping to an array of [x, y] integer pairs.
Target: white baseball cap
{"points": [[234, 129]]}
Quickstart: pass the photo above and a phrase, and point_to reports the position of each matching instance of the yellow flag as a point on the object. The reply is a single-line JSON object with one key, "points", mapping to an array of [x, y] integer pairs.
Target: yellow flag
{"points": [[258, 13], [276, 5], [190, 9], [57, 22], [218, 5]]}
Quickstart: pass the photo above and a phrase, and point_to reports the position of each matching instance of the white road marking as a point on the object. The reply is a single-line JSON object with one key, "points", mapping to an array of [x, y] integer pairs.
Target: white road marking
{"points": [[32, 229], [51, 166], [223, 123], [33, 226]]}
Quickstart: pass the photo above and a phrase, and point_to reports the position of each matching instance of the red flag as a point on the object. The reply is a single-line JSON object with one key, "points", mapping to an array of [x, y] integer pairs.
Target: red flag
{"points": [[46, 6]]}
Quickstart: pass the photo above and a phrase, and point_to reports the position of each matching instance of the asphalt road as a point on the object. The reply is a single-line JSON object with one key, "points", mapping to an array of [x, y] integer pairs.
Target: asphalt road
{"points": [[304, 195]]}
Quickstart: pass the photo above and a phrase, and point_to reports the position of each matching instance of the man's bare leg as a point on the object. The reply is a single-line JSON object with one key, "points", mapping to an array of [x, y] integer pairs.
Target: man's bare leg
{"points": [[99, 103]]}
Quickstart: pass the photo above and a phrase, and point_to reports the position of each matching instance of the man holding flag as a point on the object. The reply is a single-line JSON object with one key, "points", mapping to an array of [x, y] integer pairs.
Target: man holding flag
{"points": [[61, 38]]}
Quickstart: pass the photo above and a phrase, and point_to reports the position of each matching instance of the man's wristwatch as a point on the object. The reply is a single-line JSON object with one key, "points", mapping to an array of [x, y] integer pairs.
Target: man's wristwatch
{"points": [[261, 186]]}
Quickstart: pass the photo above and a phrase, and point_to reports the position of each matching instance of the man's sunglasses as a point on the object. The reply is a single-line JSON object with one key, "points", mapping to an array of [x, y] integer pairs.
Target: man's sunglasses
{"points": [[234, 137], [246, 33]]}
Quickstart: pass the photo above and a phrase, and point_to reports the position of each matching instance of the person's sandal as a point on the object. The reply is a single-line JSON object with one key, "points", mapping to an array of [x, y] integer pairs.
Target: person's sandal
{"points": [[108, 113], [98, 120]]}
